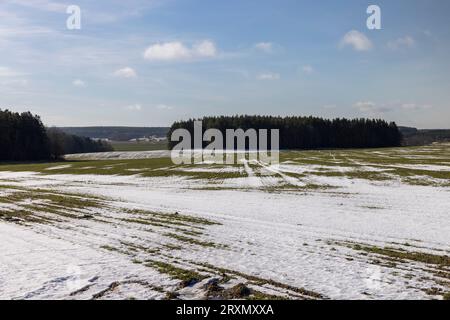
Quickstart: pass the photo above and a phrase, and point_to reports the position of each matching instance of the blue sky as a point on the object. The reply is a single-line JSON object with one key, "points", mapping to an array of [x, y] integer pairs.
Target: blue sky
{"points": [[148, 63]]}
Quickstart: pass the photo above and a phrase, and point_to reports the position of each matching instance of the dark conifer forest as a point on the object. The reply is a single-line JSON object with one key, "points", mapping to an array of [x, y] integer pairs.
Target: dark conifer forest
{"points": [[23, 137], [307, 132]]}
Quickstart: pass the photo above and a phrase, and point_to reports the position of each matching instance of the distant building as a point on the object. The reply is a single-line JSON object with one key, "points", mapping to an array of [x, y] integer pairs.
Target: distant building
{"points": [[148, 139]]}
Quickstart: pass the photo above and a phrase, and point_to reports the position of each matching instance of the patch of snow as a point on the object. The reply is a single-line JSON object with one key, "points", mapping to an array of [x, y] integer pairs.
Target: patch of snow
{"points": [[64, 166]]}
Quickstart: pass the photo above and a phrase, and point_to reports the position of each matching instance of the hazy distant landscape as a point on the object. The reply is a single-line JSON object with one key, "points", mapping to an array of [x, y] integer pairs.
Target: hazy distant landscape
{"points": [[117, 133], [412, 136]]}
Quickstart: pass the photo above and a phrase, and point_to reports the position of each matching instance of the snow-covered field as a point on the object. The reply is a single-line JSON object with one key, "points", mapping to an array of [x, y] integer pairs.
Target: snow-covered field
{"points": [[357, 224]]}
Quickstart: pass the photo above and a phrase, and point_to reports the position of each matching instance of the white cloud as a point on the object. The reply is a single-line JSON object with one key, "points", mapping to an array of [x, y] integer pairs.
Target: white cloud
{"points": [[357, 40], [126, 72], [23, 31], [205, 49], [365, 106], [372, 107], [15, 24], [167, 51], [79, 83], [134, 107], [164, 107], [8, 72], [10, 77], [266, 47], [414, 106], [268, 76], [308, 69], [15, 82], [44, 5], [404, 42], [172, 51]]}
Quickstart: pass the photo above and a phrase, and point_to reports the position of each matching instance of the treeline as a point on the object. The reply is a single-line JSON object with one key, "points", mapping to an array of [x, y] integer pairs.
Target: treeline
{"points": [[116, 133], [306, 132], [23, 137], [416, 137], [63, 143]]}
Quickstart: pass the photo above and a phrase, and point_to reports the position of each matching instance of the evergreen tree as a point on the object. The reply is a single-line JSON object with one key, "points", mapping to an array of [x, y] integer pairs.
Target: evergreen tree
{"points": [[306, 132], [23, 137]]}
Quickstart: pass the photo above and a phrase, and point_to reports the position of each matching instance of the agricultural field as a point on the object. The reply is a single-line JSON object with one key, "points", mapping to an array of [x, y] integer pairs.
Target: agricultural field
{"points": [[139, 145], [330, 224]]}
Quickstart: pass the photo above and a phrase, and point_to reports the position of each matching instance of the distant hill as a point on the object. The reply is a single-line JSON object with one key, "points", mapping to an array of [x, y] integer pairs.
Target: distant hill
{"points": [[116, 133], [412, 136], [407, 130], [416, 137]]}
